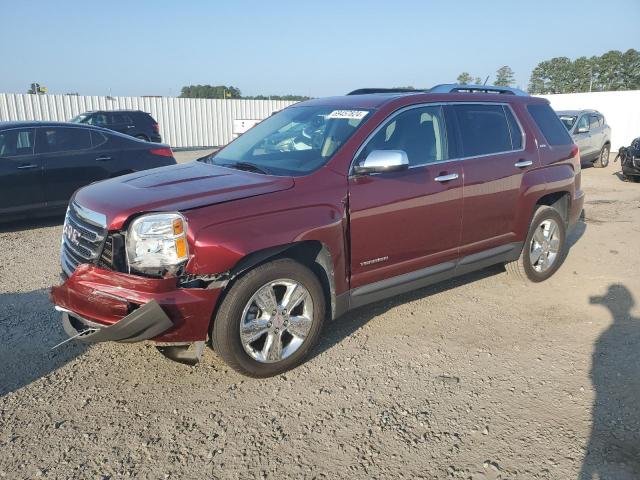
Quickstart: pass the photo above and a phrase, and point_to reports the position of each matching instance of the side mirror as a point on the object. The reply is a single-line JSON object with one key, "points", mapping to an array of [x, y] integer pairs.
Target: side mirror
{"points": [[381, 161], [582, 130]]}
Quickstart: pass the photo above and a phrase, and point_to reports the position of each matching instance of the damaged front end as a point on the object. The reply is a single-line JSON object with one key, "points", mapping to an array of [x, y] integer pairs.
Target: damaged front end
{"points": [[101, 305]]}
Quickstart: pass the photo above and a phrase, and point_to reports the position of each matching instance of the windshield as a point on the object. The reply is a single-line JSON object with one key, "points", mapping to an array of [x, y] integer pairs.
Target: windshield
{"points": [[295, 141], [568, 120], [79, 119]]}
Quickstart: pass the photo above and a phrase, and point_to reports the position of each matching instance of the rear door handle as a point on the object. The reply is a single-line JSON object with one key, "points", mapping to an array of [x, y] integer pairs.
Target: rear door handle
{"points": [[27, 167], [103, 159], [446, 178], [523, 163]]}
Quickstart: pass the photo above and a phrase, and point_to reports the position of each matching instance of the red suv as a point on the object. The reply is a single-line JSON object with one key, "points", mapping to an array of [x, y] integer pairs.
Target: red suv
{"points": [[325, 206]]}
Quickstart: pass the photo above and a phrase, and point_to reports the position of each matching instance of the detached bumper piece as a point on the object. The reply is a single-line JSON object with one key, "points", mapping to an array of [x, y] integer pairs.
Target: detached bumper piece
{"points": [[144, 323]]}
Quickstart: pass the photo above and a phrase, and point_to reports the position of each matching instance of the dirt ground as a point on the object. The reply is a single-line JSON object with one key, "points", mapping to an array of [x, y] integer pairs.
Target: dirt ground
{"points": [[478, 378]]}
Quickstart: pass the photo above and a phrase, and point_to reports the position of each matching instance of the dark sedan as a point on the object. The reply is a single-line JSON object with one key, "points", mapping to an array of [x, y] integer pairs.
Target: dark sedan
{"points": [[43, 163]]}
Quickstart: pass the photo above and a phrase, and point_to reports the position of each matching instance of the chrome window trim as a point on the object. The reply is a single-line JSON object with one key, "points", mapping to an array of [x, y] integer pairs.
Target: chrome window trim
{"points": [[436, 104]]}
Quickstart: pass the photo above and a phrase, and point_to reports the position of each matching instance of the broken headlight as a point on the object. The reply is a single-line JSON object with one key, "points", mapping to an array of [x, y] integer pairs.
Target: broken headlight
{"points": [[157, 243]]}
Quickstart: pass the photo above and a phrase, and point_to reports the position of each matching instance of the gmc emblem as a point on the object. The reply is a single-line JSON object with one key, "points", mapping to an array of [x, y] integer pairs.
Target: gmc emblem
{"points": [[72, 234]]}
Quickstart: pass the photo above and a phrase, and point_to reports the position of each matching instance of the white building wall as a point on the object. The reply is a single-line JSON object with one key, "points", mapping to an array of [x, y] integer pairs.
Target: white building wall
{"points": [[621, 110], [184, 122]]}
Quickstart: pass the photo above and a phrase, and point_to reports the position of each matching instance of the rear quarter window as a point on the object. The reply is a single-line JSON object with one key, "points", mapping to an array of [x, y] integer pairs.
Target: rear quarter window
{"points": [[549, 124]]}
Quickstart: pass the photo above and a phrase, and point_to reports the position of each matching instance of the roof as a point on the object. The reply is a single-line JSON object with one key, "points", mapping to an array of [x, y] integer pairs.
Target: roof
{"points": [[377, 100], [34, 123], [113, 111], [575, 112]]}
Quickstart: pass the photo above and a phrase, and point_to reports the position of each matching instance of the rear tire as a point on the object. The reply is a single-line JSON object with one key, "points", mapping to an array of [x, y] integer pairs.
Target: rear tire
{"points": [[603, 158], [544, 249], [283, 339]]}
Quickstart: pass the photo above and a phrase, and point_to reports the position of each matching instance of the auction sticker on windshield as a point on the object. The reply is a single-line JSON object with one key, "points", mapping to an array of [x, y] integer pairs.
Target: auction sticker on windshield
{"points": [[348, 114]]}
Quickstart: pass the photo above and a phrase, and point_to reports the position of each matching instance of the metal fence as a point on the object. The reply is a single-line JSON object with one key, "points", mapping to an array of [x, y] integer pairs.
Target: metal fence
{"points": [[184, 122]]}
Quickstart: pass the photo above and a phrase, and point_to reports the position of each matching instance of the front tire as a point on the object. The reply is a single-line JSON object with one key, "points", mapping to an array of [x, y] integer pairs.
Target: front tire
{"points": [[544, 249], [603, 158], [270, 319]]}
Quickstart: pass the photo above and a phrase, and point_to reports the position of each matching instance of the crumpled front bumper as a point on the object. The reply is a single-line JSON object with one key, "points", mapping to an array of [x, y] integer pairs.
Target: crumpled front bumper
{"points": [[100, 305], [144, 323]]}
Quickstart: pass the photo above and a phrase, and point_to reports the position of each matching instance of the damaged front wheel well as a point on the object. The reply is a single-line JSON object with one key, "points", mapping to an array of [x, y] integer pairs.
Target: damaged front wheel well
{"points": [[311, 253]]}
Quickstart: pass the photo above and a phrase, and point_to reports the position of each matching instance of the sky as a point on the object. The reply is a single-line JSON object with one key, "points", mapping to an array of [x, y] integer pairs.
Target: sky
{"points": [[276, 47]]}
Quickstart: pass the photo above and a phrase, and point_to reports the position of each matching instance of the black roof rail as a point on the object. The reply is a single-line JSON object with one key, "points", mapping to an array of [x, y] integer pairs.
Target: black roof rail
{"points": [[365, 91], [461, 88]]}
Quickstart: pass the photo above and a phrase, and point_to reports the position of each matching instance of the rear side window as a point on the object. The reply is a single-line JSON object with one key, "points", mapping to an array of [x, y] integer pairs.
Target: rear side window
{"points": [[484, 129], [549, 124], [16, 142], [64, 139], [98, 139], [594, 121], [120, 118]]}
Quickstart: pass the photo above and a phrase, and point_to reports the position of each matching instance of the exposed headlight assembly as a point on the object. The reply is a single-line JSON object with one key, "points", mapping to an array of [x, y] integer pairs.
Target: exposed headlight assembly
{"points": [[157, 243]]}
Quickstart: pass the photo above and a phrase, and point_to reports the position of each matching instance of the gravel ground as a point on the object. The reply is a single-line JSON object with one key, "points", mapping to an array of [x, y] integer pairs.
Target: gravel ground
{"points": [[478, 378]]}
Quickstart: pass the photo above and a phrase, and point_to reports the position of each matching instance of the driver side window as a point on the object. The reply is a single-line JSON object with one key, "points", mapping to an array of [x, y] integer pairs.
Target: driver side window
{"points": [[419, 132], [583, 122]]}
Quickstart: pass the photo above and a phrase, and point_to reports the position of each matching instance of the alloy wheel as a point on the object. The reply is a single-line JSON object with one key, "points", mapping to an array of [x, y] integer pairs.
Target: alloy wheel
{"points": [[545, 245], [276, 320]]}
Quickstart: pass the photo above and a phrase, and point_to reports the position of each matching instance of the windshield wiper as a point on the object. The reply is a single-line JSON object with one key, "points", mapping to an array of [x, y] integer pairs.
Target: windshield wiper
{"points": [[250, 167]]}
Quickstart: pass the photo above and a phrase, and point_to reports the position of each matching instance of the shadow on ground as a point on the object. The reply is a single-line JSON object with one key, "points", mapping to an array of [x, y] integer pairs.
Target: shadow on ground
{"points": [[336, 331], [29, 327], [31, 224], [613, 451]]}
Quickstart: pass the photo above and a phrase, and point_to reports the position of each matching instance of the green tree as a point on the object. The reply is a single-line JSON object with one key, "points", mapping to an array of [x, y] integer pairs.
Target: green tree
{"points": [[613, 70], [630, 71], [504, 77], [465, 78], [552, 76], [209, 91], [478, 81]]}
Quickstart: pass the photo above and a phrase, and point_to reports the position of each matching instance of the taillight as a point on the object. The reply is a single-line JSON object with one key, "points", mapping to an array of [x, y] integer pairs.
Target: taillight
{"points": [[156, 127], [575, 151], [163, 152]]}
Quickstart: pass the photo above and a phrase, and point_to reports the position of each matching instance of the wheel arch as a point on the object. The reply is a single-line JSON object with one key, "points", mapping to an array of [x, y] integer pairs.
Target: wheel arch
{"points": [[314, 254], [560, 200]]}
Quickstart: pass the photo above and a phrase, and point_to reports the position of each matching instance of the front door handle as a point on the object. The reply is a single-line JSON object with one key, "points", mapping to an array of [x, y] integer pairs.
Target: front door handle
{"points": [[446, 178], [27, 167], [523, 163], [103, 159]]}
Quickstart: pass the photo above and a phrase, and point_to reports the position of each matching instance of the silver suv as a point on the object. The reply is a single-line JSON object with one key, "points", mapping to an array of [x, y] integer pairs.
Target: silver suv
{"points": [[591, 133]]}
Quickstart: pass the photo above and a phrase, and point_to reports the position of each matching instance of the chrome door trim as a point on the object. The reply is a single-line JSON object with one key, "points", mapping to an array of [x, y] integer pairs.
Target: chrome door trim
{"points": [[351, 173]]}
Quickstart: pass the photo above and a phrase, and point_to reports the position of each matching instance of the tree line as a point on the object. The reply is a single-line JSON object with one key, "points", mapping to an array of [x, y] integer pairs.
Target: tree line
{"points": [[224, 91], [613, 70]]}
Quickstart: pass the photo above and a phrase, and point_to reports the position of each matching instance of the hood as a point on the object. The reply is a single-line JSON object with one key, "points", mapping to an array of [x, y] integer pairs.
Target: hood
{"points": [[174, 188]]}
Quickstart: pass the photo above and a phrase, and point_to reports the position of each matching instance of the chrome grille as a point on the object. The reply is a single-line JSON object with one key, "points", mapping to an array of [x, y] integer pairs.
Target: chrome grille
{"points": [[83, 238]]}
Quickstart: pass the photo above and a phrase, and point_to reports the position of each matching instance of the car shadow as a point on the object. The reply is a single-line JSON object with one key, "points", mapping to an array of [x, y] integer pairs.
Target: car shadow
{"points": [[341, 328], [614, 445], [31, 224], [29, 328], [336, 331]]}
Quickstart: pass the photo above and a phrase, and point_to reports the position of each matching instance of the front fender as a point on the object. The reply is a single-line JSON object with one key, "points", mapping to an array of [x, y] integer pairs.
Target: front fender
{"points": [[223, 235]]}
